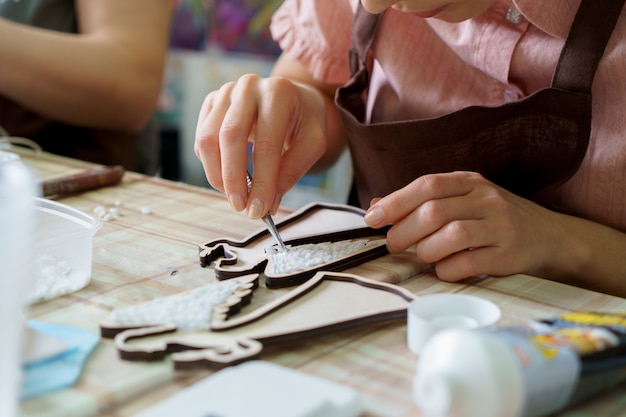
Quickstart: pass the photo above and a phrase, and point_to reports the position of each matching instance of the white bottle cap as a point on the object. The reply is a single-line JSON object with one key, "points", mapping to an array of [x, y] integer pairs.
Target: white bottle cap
{"points": [[432, 313]]}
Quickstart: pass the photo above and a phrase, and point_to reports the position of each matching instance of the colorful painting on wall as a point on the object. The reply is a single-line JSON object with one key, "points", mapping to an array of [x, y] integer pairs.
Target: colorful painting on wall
{"points": [[232, 25], [243, 26], [190, 25]]}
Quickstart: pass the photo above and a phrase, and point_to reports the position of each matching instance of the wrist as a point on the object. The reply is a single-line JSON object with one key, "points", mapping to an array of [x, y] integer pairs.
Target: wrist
{"points": [[571, 257]]}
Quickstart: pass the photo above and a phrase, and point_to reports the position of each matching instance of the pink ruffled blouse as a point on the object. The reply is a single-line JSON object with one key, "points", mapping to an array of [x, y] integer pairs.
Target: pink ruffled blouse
{"points": [[425, 68]]}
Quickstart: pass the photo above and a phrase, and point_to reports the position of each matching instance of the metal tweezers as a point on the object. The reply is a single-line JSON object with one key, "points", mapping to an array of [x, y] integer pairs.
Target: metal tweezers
{"points": [[271, 227]]}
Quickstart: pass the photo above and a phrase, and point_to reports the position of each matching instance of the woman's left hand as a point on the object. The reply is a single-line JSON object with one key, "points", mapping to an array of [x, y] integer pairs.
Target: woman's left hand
{"points": [[468, 226]]}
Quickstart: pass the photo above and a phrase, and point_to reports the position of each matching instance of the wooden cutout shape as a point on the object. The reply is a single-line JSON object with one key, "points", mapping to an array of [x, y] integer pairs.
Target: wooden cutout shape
{"points": [[314, 223], [314, 308]]}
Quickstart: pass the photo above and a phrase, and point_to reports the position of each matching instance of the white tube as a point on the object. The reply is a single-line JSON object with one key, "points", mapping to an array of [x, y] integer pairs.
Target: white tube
{"points": [[465, 373], [528, 370]]}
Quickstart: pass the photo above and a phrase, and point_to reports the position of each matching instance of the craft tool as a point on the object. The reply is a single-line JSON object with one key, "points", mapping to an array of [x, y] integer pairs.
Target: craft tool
{"points": [[83, 181], [268, 219]]}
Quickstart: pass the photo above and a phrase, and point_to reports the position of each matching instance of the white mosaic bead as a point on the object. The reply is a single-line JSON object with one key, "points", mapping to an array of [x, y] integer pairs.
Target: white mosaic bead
{"points": [[513, 16], [190, 310], [309, 256]]}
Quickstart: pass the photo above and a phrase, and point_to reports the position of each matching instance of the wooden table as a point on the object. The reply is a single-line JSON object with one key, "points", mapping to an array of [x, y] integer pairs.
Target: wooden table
{"points": [[140, 256]]}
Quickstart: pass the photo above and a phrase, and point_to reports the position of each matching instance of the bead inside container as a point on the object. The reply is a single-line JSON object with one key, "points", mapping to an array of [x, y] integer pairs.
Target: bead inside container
{"points": [[62, 256]]}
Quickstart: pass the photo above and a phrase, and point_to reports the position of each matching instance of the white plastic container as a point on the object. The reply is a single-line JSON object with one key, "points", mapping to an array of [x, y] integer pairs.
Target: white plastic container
{"points": [[432, 313], [63, 253], [17, 236], [529, 370]]}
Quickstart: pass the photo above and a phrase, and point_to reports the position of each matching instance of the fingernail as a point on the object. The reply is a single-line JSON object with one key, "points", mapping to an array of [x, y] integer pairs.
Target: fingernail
{"points": [[256, 209], [237, 201], [374, 217]]}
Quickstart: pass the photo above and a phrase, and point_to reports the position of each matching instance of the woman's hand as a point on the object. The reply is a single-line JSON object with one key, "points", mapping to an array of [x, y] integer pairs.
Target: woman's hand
{"points": [[468, 226], [286, 123]]}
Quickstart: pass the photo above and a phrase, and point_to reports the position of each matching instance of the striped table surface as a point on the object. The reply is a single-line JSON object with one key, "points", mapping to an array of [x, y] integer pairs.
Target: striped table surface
{"points": [[151, 251]]}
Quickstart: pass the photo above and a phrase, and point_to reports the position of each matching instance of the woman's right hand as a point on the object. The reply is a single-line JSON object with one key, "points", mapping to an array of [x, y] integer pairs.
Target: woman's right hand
{"points": [[286, 123]]}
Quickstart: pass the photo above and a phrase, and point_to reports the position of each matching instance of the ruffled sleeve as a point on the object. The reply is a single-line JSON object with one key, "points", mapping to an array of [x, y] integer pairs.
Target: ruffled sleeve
{"points": [[316, 33]]}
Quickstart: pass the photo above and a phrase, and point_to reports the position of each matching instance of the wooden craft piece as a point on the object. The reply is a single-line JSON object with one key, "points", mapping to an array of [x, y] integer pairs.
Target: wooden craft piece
{"points": [[314, 223], [328, 302]]}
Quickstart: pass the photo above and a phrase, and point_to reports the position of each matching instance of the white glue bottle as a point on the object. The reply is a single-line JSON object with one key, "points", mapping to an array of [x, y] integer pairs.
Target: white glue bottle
{"points": [[529, 370], [17, 238]]}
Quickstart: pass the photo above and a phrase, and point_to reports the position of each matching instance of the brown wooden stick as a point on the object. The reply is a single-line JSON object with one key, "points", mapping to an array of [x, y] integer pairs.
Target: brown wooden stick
{"points": [[88, 180]]}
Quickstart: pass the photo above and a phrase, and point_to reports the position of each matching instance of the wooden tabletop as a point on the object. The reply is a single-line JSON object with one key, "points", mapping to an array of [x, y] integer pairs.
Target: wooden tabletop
{"points": [[141, 256]]}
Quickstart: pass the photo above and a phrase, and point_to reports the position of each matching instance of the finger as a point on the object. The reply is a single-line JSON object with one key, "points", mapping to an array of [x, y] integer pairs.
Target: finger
{"points": [[273, 131], [456, 236], [489, 260], [205, 138], [306, 148], [306, 140], [400, 203], [295, 164], [440, 217], [298, 159], [206, 145], [237, 126], [376, 7]]}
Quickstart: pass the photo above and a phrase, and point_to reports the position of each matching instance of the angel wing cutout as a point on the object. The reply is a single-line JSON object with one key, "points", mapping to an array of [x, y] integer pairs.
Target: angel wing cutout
{"points": [[328, 302]]}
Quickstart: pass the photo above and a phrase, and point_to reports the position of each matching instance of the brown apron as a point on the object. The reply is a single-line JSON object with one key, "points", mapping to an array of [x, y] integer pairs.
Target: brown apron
{"points": [[529, 147]]}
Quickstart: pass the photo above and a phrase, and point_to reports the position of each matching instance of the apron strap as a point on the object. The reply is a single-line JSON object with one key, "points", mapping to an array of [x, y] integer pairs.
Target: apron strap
{"points": [[363, 35], [363, 30], [585, 44]]}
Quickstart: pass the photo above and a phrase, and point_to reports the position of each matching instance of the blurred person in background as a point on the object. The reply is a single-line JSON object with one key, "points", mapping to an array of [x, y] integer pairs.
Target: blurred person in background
{"points": [[82, 78]]}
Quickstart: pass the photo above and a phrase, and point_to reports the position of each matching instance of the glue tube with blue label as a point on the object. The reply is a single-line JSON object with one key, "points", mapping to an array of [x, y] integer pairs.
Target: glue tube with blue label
{"points": [[528, 370]]}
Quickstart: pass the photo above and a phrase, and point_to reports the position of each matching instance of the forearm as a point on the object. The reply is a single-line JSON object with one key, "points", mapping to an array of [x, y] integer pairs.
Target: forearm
{"points": [[336, 136], [588, 254], [97, 80]]}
